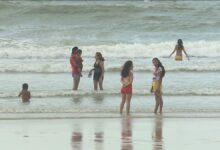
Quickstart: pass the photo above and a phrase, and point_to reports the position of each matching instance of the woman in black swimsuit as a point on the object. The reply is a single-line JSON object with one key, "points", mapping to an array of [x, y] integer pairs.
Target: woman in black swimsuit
{"points": [[98, 71]]}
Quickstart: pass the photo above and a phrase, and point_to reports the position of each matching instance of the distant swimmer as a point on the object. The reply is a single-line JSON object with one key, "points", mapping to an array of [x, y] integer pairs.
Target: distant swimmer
{"points": [[178, 49], [25, 94]]}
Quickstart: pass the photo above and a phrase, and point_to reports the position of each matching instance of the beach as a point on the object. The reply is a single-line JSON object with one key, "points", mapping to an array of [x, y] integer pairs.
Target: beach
{"points": [[127, 133], [36, 39]]}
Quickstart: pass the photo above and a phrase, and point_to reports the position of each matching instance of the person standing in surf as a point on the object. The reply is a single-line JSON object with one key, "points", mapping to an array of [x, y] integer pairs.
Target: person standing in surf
{"points": [[79, 61], [126, 89], [98, 69], [179, 48], [156, 88], [25, 94], [75, 68]]}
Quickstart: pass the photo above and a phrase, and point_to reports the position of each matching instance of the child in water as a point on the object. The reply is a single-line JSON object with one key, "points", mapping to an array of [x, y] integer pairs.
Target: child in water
{"points": [[25, 94], [126, 89], [179, 48]]}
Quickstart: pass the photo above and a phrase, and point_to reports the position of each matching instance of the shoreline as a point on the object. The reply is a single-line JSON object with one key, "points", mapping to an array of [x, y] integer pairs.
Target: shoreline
{"points": [[107, 106], [75, 116], [128, 133]]}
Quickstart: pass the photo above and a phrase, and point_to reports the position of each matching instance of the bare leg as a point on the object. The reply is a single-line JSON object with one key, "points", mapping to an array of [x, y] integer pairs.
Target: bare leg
{"points": [[161, 104], [123, 98], [76, 82], [95, 85], [80, 72], [100, 84], [73, 83], [157, 103], [128, 101]]}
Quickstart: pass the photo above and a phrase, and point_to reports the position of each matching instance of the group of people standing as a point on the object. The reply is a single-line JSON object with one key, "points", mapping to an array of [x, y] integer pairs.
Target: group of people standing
{"points": [[126, 75], [158, 75], [156, 88], [77, 66]]}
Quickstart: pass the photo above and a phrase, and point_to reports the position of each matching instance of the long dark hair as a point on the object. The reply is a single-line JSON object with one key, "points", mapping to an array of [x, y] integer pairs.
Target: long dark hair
{"points": [[180, 44], [98, 54], [74, 49], [126, 68], [160, 65], [25, 86]]}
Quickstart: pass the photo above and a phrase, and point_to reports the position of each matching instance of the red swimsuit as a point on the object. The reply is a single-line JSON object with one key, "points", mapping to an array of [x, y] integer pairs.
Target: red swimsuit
{"points": [[126, 89]]}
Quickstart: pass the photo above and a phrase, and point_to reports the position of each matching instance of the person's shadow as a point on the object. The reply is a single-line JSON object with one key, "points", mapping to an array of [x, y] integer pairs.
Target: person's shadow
{"points": [[126, 134], [157, 133]]}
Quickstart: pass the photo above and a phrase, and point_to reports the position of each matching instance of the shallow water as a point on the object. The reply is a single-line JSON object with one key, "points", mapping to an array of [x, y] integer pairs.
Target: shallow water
{"points": [[36, 38], [104, 106], [60, 84]]}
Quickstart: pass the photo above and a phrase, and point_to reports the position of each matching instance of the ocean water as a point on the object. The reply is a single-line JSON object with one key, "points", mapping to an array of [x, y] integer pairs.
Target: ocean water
{"points": [[36, 38]]}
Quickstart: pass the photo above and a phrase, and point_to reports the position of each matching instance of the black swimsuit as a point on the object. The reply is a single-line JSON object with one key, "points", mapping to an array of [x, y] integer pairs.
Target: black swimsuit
{"points": [[97, 72]]}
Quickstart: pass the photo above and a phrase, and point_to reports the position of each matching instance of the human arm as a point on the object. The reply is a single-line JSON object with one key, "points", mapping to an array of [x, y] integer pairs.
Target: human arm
{"points": [[151, 89], [29, 95], [72, 61], [20, 94], [159, 73], [185, 53], [173, 52], [131, 77], [102, 69], [90, 72]]}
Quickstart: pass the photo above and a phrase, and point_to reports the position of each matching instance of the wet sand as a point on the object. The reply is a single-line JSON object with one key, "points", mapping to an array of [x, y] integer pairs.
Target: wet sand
{"points": [[119, 133]]}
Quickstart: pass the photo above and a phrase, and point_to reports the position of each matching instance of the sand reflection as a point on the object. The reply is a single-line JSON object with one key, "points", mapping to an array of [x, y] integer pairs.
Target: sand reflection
{"points": [[157, 135], [99, 135], [77, 140], [126, 134], [99, 140]]}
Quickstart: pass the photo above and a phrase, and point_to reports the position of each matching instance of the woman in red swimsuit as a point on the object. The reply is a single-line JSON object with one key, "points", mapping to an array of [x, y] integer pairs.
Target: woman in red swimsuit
{"points": [[126, 89]]}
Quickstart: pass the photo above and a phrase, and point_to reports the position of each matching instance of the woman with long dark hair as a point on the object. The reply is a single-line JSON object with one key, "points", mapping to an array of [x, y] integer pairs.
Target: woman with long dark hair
{"points": [[126, 89], [179, 48], [158, 74], [98, 69]]}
